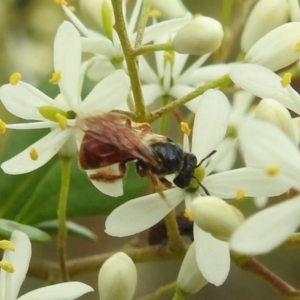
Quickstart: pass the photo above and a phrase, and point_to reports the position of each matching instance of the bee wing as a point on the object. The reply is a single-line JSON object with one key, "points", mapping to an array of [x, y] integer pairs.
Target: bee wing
{"points": [[115, 135]]}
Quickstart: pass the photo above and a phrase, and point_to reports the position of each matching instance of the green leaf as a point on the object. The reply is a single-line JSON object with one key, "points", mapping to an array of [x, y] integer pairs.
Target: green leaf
{"points": [[84, 199], [73, 229], [34, 234]]}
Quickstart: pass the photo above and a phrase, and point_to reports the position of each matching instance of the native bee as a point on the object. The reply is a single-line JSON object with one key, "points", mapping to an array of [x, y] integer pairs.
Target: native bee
{"points": [[112, 138]]}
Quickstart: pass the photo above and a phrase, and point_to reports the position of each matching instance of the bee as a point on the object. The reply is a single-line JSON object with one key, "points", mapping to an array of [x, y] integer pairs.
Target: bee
{"points": [[112, 138]]}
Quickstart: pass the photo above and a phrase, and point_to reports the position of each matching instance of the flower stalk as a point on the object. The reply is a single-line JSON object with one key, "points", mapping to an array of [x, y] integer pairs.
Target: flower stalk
{"points": [[140, 108], [61, 215]]}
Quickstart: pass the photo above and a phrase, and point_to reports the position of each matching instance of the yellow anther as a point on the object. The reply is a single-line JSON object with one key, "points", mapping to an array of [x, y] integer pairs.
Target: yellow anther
{"points": [[297, 47], [6, 266], [61, 2], [33, 154], [56, 76], [72, 8], [2, 126], [185, 128], [168, 56], [7, 245], [197, 15], [273, 170], [286, 79], [14, 78], [62, 121], [154, 13], [240, 194], [187, 214]]}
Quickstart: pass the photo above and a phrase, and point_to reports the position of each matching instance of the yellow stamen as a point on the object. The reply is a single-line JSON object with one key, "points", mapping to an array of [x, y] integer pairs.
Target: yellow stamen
{"points": [[14, 78], [197, 15], [286, 79], [33, 154], [168, 56], [61, 2], [154, 13], [56, 77], [240, 194], [6, 266], [7, 245], [72, 8], [2, 126], [62, 121], [273, 170], [297, 47], [185, 128], [187, 214]]}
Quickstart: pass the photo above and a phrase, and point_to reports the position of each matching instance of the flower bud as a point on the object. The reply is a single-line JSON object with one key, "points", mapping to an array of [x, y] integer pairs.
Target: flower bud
{"points": [[215, 216], [190, 280], [273, 112], [170, 9], [117, 278], [277, 49], [98, 14], [265, 16], [200, 36]]}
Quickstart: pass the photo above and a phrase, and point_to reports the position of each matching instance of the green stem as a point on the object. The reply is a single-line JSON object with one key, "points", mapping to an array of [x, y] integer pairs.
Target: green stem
{"points": [[219, 83], [151, 48], [226, 12], [175, 241], [160, 292], [179, 295], [131, 61], [61, 215], [142, 22]]}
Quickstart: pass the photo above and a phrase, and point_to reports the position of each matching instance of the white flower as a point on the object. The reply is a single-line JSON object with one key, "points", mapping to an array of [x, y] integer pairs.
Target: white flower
{"points": [[117, 278], [210, 126], [199, 36], [178, 9], [190, 280], [171, 80], [269, 228], [277, 49], [265, 16], [107, 47], [27, 102], [275, 113], [17, 261], [264, 83]]}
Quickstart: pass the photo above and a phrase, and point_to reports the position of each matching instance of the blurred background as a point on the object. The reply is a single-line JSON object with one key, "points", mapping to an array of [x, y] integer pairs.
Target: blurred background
{"points": [[27, 32]]}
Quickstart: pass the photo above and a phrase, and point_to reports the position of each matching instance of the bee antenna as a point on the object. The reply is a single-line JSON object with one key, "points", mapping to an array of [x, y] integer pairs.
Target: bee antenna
{"points": [[202, 186], [206, 157]]}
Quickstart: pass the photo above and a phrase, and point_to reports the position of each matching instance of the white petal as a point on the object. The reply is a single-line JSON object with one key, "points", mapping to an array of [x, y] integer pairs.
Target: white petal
{"points": [[146, 72], [276, 49], [212, 256], [46, 148], [253, 182], [152, 92], [60, 291], [100, 68], [263, 83], [67, 59], [210, 124], [266, 230], [259, 142], [165, 27], [114, 189], [107, 94], [141, 213], [34, 125], [20, 259], [98, 45], [22, 100]]}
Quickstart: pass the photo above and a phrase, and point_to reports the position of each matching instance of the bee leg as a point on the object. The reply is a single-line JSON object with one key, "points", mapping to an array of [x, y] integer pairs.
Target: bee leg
{"points": [[167, 184], [109, 175]]}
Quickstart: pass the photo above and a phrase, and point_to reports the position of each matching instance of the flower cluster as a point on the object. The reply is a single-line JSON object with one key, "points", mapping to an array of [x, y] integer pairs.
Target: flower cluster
{"points": [[239, 110]]}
